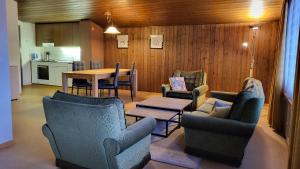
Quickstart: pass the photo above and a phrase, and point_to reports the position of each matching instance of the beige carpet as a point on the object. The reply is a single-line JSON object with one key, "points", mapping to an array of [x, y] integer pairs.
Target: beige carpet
{"points": [[266, 150], [171, 151]]}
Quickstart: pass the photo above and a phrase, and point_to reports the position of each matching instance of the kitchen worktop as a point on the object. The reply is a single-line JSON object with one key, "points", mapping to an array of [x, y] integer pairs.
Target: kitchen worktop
{"points": [[54, 61]]}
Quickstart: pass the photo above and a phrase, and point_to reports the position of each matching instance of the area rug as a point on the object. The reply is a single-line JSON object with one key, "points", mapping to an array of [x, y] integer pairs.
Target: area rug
{"points": [[171, 150]]}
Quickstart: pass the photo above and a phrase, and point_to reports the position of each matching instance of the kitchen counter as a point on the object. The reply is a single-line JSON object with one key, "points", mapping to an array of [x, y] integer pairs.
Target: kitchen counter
{"points": [[54, 61]]}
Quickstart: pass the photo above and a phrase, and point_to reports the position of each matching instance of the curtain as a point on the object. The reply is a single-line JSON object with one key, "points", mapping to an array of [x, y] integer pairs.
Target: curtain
{"points": [[294, 146], [291, 48], [285, 65], [275, 114]]}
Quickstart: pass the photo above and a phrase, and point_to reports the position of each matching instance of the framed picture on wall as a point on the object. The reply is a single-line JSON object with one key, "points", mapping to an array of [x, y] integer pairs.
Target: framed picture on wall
{"points": [[156, 41], [122, 41]]}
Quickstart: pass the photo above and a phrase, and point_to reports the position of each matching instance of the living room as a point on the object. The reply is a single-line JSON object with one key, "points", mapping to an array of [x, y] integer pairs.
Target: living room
{"points": [[149, 84]]}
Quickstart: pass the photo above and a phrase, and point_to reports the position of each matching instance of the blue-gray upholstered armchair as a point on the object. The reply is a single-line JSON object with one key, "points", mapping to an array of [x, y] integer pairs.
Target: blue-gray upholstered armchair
{"points": [[224, 139], [86, 132]]}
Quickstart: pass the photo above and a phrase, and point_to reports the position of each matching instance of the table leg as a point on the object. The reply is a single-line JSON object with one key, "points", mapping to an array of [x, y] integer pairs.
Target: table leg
{"points": [[179, 119], [135, 83], [65, 83], [167, 128], [94, 86]]}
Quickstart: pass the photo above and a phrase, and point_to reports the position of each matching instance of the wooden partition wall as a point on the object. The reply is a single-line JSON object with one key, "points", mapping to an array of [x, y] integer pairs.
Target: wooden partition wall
{"points": [[215, 48]]}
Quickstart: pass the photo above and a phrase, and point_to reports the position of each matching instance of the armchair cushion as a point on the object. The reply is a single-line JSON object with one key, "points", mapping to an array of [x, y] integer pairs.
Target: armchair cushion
{"points": [[221, 95], [212, 101], [206, 107], [221, 112], [180, 94], [218, 125]]}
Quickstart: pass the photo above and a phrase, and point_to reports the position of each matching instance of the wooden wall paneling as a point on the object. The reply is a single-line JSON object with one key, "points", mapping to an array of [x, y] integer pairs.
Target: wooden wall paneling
{"points": [[97, 43], [213, 68], [215, 48], [85, 43], [76, 41], [146, 60], [91, 42]]}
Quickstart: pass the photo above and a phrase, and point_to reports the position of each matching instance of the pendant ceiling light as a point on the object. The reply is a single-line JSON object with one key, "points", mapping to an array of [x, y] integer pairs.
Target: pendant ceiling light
{"points": [[111, 29]]}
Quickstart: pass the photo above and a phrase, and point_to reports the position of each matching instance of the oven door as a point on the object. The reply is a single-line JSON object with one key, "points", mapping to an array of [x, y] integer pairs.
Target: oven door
{"points": [[43, 72]]}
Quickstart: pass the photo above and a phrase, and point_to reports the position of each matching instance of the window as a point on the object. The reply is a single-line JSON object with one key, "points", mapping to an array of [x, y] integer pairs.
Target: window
{"points": [[292, 35]]}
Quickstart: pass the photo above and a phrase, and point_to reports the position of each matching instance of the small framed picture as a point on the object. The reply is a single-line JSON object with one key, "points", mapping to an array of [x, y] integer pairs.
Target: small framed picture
{"points": [[122, 41], [156, 41]]}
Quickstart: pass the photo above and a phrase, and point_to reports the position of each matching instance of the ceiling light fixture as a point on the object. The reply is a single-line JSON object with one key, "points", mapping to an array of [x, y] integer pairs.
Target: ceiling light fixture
{"points": [[111, 29], [256, 9], [245, 44], [255, 27]]}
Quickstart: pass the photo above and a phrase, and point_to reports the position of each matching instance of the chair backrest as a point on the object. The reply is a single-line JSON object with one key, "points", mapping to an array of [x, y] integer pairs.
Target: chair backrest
{"points": [[249, 102], [80, 129], [132, 72], [95, 65], [116, 75], [192, 79], [78, 65], [94, 101]]}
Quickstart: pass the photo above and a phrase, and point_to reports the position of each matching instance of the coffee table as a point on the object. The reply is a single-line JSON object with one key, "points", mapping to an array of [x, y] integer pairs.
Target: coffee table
{"points": [[162, 109]]}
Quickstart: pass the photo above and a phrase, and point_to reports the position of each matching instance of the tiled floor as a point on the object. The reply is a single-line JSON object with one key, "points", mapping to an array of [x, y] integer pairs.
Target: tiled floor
{"points": [[266, 150]]}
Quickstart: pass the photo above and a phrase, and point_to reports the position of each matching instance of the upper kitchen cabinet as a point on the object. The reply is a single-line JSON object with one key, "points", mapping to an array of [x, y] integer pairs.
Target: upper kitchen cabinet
{"points": [[61, 34]]}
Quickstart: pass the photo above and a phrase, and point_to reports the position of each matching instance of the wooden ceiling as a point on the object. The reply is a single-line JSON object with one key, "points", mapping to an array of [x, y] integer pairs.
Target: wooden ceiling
{"points": [[145, 12]]}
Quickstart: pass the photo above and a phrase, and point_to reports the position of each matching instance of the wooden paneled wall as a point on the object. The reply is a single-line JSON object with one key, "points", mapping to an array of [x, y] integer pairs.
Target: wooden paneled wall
{"points": [[215, 48], [91, 42]]}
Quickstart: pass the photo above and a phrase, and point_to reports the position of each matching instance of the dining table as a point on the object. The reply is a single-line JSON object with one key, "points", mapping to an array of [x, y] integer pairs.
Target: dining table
{"points": [[96, 74]]}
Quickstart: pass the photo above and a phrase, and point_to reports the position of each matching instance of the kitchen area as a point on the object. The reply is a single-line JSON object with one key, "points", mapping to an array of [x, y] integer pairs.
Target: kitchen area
{"points": [[49, 49]]}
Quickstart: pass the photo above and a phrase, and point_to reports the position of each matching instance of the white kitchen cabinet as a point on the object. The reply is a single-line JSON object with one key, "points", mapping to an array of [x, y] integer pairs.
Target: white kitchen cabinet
{"points": [[57, 74], [55, 70]]}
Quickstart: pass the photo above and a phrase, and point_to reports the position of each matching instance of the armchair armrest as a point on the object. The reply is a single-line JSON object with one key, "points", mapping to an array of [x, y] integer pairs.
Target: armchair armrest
{"points": [[133, 134], [164, 89], [200, 90], [48, 133], [226, 96], [218, 125]]}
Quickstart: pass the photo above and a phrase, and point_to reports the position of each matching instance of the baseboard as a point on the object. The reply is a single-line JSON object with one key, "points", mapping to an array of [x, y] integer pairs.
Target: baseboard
{"points": [[6, 144]]}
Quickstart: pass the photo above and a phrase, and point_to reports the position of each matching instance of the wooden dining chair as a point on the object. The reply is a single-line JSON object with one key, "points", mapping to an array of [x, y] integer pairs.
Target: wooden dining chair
{"points": [[111, 86], [80, 83], [129, 82]]}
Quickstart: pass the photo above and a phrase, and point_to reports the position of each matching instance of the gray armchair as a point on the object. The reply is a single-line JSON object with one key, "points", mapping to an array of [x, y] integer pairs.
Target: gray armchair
{"points": [[196, 85], [224, 139], [86, 132]]}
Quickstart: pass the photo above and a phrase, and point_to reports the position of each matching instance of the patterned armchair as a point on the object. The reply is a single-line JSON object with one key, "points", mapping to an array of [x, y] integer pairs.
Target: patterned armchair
{"points": [[195, 82], [86, 132]]}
